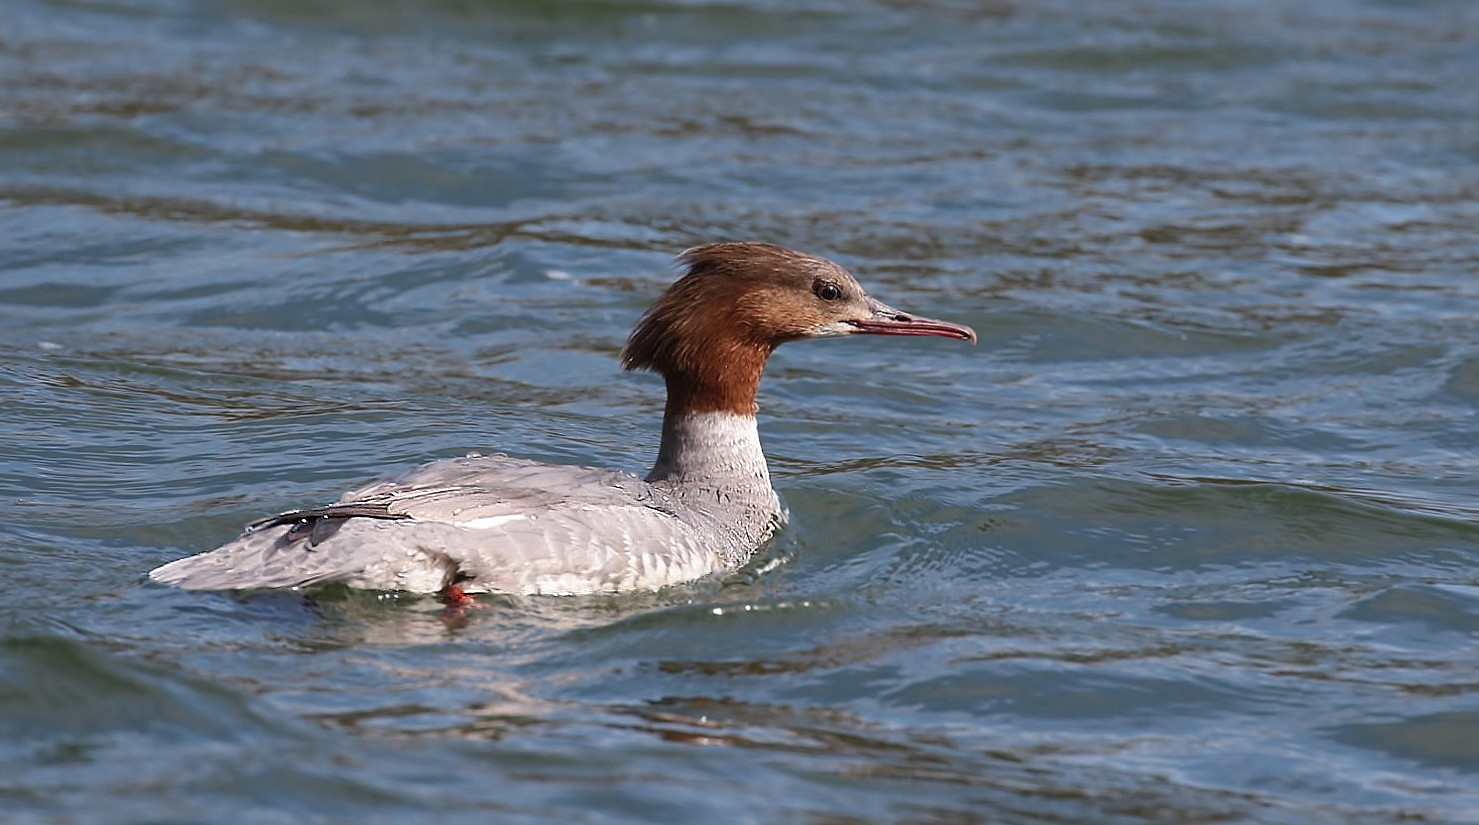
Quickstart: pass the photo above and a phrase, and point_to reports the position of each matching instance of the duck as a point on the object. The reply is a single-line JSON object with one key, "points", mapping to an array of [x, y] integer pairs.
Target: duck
{"points": [[500, 524]]}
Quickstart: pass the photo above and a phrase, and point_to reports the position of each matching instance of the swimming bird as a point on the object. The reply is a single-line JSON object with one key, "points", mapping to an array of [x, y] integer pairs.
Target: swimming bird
{"points": [[498, 524]]}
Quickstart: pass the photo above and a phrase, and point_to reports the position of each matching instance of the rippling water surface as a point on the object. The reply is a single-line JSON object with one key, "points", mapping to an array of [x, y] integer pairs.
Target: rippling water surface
{"points": [[1190, 537]]}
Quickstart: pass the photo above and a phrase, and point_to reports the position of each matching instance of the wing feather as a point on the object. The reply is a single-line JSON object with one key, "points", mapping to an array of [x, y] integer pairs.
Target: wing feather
{"points": [[494, 523]]}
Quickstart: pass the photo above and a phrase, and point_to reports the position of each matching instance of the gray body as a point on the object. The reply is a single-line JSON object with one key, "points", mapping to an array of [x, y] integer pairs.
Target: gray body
{"points": [[508, 525]]}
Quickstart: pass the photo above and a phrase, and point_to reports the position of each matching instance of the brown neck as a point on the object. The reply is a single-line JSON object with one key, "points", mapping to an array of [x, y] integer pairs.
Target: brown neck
{"points": [[708, 430], [727, 382]]}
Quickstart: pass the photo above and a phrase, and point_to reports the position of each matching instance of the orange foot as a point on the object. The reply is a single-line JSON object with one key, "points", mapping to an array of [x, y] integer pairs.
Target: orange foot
{"points": [[455, 596]]}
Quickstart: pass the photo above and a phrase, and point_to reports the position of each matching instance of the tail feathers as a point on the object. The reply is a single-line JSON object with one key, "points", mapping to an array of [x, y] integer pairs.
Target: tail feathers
{"points": [[366, 554], [262, 558]]}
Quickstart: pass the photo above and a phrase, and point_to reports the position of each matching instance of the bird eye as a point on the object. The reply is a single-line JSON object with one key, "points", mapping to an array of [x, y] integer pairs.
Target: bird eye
{"points": [[826, 290]]}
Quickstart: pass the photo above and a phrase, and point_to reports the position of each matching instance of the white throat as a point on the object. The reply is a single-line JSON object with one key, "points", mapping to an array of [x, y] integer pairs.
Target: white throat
{"points": [[712, 446]]}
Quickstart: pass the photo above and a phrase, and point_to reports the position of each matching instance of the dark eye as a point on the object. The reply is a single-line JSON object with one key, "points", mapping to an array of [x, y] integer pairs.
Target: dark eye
{"points": [[826, 290]]}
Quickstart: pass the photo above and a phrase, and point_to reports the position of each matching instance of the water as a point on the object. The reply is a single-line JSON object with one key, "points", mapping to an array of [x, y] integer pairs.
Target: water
{"points": [[1189, 537]]}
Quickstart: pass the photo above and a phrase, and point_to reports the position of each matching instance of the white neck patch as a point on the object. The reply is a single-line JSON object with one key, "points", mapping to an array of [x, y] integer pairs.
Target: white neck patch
{"points": [[712, 445]]}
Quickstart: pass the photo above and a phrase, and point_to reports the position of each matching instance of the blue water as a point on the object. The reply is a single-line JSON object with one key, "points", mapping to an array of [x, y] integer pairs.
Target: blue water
{"points": [[1189, 537]]}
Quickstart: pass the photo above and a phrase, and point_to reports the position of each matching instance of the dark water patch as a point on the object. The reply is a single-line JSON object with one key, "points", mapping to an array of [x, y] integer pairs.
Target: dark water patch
{"points": [[170, 209], [57, 295], [1442, 741], [54, 684], [425, 176], [1434, 609], [97, 150], [1255, 521]]}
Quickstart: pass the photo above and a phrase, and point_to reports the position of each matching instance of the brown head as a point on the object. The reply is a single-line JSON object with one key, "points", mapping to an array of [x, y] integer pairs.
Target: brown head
{"points": [[711, 333]]}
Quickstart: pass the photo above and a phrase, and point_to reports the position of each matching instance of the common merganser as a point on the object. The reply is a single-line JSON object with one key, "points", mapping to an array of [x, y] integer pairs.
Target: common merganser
{"points": [[497, 524]]}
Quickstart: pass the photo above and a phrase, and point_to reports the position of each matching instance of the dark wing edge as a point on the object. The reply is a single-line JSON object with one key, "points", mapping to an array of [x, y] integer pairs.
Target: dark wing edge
{"points": [[318, 523]]}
